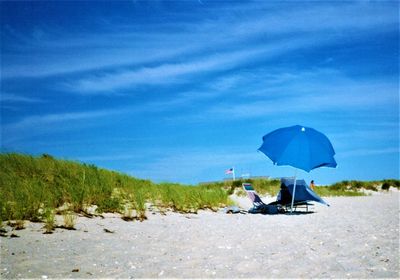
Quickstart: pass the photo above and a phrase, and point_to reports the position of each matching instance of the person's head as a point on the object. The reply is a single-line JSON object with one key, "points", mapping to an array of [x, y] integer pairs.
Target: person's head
{"points": [[312, 181]]}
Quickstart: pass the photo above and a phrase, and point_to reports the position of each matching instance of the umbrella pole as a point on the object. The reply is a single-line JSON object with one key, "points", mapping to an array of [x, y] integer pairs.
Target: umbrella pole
{"points": [[294, 192]]}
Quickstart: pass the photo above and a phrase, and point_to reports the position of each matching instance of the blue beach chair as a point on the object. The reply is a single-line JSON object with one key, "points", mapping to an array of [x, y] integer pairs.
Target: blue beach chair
{"points": [[258, 205]]}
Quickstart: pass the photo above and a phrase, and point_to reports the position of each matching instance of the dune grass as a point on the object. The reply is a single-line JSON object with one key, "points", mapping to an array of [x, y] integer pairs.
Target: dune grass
{"points": [[343, 188], [37, 188], [356, 188], [30, 187], [329, 192]]}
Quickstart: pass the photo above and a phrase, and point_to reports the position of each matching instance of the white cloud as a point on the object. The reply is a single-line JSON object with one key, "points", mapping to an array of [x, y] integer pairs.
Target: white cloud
{"points": [[368, 152], [15, 98], [174, 72], [41, 120], [305, 94], [50, 123], [193, 164], [349, 17], [80, 52]]}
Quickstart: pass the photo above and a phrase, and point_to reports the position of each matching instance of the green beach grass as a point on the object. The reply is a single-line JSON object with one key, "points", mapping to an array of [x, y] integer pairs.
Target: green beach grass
{"points": [[32, 187], [356, 188], [36, 188]]}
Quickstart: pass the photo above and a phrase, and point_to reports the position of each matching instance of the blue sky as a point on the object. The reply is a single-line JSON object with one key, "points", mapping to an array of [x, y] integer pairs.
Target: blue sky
{"points": [[182, 90]]}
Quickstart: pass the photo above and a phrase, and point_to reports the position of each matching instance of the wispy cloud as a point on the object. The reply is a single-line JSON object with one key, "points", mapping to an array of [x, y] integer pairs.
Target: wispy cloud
{"points": [[348, 16], [308, 92], [69, 63], [369, 152], [54, 56], [321, 91], [174, 72], [15, 98], [34, 125], [193, 164], [41, 120]]}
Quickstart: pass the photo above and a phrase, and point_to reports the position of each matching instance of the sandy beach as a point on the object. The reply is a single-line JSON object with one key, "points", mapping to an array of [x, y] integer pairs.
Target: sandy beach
{"points": [[356, 237]]}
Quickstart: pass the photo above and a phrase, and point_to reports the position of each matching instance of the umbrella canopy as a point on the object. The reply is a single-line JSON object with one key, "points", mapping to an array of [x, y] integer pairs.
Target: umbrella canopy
{"points": [[298, 146]]}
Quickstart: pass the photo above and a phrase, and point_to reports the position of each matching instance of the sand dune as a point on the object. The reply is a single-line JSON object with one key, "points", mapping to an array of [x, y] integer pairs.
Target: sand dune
{"points": [[357, 237]]}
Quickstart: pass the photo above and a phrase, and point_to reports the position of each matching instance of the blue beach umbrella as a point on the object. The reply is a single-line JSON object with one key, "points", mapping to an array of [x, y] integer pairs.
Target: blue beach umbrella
{"points": [[300, 147]]}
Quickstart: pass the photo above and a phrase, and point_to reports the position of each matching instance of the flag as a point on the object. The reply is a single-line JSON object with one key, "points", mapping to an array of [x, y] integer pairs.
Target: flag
{"points": [[229, 171]]}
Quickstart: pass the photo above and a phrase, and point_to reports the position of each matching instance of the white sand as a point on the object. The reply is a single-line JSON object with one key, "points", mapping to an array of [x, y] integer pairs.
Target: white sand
{"points": [[354, 238]]}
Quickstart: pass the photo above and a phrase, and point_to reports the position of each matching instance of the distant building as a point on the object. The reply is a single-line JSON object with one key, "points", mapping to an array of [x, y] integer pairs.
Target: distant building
{"points": [[240, 178], [260, 177]]}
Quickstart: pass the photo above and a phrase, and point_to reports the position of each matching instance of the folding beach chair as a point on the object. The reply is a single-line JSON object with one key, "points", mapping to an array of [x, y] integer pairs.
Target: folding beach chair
{"points": [[258, 205]]}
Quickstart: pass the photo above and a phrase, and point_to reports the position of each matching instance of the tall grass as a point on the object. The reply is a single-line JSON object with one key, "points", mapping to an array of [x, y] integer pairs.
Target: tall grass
{"points": [[49, 220], [262, 186], [355, 188], [33, 188], [29, 184], [327, 191], [343, 188]]}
